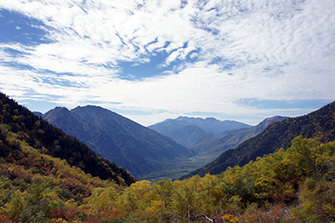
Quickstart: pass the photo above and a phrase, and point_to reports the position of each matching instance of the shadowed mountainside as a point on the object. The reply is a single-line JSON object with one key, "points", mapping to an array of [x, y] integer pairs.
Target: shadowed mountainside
{"points": [[140, 150], [320, 123], [213, 147]]}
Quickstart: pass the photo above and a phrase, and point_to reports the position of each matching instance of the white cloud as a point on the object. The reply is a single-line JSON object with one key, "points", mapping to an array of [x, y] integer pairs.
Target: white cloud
{"points": [[262, 49]]}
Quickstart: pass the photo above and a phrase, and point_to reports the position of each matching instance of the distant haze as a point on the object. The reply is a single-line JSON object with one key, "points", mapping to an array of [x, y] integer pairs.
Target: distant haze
{"points": [[190, 131]]}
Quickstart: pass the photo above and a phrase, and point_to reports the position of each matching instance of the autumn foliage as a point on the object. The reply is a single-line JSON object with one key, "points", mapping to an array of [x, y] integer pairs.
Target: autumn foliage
{"points": [[293, 185]]}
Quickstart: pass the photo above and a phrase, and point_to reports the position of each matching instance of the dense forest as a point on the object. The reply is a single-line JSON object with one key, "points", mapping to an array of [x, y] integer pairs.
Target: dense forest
{"points": [[36, 185], [296, 185]]}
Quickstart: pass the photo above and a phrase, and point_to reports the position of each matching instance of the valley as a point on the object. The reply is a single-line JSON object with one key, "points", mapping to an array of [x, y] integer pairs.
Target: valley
{"points": [[170, 149], [48, 176]]}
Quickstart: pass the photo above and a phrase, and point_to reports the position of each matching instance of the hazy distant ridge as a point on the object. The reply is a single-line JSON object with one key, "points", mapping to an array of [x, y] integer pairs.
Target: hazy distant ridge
{"points": [[320, 123], [189, 131], [213, 147]]}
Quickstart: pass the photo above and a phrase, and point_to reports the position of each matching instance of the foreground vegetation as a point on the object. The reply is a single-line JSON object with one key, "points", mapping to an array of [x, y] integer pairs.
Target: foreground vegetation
{"points": [[296, 185]]}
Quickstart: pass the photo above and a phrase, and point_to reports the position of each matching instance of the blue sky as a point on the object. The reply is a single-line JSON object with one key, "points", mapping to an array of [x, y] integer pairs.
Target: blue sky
{"points": [[151, 60]]}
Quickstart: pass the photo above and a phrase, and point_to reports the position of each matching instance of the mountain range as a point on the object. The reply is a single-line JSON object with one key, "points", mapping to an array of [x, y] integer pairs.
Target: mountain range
{"points": [[148, 154], [48, 176], [144, 152], [189, 131], [29, 142], [211, 148], [319, 124], [140, 150]]}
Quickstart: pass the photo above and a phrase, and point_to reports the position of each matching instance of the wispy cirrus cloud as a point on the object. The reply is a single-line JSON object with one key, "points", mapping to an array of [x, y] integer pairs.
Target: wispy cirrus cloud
{"points": [[173, 56]]}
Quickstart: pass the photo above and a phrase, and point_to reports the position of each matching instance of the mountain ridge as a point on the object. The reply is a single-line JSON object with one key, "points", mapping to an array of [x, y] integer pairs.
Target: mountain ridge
{"points": [[218, 144], [179, 129], [320, 123], [76, 127], [47, 139], [140, 150]]}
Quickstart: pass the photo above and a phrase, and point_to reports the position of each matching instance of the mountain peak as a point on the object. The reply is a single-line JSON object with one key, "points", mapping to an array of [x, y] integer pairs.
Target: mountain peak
{"points": [[98, 110], [195, 118], [271, 120], [89, 107], [61, 109], [183, 118], [211, 119], [53, 114]]}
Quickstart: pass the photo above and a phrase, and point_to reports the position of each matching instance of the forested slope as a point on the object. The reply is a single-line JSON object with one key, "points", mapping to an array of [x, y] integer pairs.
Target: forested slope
{"points": [[47, 139], [320, 123], [213, 147], [296, 185]]}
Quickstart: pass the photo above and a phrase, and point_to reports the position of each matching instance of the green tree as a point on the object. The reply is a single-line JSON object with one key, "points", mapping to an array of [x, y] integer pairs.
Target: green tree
{"points": [[102, 201], [162, 193], [41, 197]]}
